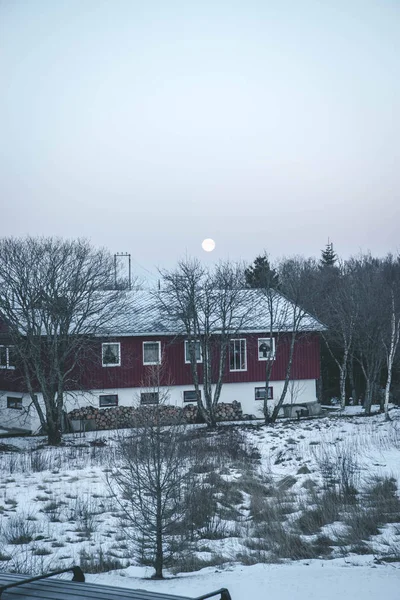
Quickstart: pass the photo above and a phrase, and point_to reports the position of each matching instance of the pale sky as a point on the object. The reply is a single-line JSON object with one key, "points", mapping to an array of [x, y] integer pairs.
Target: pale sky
{"points": [[150, 125]]}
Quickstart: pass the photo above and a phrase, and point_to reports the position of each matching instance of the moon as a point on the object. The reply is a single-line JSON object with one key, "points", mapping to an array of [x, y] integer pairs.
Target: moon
{"points": [[208, 245]]}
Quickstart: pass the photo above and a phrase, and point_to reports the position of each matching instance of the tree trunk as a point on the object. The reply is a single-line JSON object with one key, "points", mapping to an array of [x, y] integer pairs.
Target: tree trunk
{"points": [[268, 369], [350, 371], [277, 407], [368, 396], [53, 423], [54, 437], [394, 340], [343, 376], [159, 559]]}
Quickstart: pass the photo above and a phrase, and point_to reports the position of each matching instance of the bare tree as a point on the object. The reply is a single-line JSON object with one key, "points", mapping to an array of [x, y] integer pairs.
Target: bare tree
{"points": [[209, 307], [391, 333], [278, 309], [291, 317], [336, 302], [150, 478], [53, 303], [367, 276]]}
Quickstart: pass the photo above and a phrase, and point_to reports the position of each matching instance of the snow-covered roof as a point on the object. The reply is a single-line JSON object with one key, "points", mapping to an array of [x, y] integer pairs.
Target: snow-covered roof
{"points": [[144, 314]]}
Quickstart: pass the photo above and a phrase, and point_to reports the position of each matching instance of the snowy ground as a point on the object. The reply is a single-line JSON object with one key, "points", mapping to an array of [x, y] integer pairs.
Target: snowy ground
{"points": [[358, 577], [59, 500]]}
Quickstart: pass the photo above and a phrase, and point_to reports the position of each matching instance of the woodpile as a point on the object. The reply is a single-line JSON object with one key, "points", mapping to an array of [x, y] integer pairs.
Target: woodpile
{"points": [[129, 416]]}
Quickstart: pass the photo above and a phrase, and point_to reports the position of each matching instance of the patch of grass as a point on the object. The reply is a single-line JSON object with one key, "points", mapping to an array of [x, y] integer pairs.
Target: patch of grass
{"points": [[250, 484], [360, 548], [286, 483], [362, 523], [99, 562], [311, 520], [18, 530], [190, 562], [323, 546], [381, 493], [41, 551], [303, 470], [280, 543], [11, 502]]}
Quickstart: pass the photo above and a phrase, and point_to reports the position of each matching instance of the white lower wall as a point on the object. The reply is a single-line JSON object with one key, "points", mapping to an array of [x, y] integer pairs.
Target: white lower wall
{"points": [[299, 391], [14, 417]]}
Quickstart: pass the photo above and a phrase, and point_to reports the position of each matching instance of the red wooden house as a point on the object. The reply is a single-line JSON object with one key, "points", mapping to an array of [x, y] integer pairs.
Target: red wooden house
{"points": [[122, 362]]}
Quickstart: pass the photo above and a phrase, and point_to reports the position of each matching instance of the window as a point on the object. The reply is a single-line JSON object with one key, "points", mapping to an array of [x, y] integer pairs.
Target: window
{"points": [[197, 351], [260, 393], [266, 348], [111, 355], [149, 398], [190, 395], [151, 353], [108, 400], [7, 357], [237, 355], [14, 402]]}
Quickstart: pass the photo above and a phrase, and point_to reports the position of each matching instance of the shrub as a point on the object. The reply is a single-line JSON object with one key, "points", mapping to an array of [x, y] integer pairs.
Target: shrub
{"points": [[381, 493], [326, 509], [339, 469], [322, 546], [84, 512], [279, 543], [311, 520], [362, 523], [18, 530]]}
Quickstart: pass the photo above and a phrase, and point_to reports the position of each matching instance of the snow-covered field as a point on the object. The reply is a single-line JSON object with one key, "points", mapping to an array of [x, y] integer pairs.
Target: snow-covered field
{"points": [[338, 579], [57, 510]]}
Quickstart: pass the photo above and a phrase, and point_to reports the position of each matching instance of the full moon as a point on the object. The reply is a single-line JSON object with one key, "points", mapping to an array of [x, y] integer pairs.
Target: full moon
{"points": [[208, 245]]}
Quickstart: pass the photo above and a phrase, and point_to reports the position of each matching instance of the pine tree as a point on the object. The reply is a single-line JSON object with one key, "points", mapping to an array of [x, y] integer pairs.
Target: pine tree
{"points": [[260, 274], [328, 256]]}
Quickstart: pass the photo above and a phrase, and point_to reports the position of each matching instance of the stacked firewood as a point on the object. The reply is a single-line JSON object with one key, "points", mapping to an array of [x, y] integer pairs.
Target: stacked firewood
{"points": [[229, 412], [129, 416]]}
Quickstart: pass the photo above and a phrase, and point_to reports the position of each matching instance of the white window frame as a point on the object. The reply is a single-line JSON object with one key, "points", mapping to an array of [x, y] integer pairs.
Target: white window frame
{"points": [[191, 392], [103, 396], [270, 393], [187, 355], [7, 365], [158, 362], [155, 395], [240, 341], [117, 364], [272, 354], [16, 401]]}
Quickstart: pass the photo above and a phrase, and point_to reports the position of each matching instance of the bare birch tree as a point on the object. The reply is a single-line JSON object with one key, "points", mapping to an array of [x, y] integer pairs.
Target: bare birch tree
{"points": [[391, 333], [208, 307], [52, 302]]}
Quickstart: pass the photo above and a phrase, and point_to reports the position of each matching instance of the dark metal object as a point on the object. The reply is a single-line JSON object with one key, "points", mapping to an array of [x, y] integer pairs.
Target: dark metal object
{"points": [[123, 254], [225, 595], [77, 571]]}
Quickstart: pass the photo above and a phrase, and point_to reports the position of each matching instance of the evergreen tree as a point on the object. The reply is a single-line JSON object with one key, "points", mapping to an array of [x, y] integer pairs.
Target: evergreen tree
{"points": [[328, 256], [260, 274]]}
